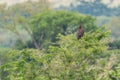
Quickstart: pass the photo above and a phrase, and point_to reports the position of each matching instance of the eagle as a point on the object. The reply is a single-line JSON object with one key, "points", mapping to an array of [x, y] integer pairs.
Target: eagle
{"points": [[80, 32]]}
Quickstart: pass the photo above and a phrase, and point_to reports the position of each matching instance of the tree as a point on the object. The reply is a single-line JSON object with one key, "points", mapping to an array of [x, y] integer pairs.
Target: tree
{"points": [[14, 19], [47, 25], [72, 60]]}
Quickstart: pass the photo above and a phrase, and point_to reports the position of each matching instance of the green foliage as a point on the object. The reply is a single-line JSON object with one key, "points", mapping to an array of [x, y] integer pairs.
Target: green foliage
{"points": [[67, 58], [13, 21], [22, 65], [47, 25], [3, 55], [115, 44], [80, 57], [71, 60], [115, 73]]}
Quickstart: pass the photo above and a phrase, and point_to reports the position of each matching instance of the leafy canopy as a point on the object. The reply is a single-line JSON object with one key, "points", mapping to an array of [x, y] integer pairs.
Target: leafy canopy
{"points": [[72, 60], [47, 25]]}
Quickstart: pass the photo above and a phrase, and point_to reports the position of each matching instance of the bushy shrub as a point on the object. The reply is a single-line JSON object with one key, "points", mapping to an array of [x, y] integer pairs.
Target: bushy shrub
{"points": [[115, 73], [72, 60]]}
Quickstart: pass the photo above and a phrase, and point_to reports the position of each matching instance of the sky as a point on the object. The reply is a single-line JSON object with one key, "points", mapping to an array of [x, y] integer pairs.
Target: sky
{"points": [[57, 3]]}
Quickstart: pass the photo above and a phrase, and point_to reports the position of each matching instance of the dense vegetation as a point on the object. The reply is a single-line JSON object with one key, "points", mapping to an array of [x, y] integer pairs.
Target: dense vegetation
{"points": [[73, 60], [43, 45], [45, 27]]}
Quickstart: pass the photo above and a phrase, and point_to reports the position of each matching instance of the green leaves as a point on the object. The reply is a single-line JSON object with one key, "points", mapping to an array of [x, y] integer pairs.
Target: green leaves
{"points": [[72, 59], [115, 73], [45, 27]]}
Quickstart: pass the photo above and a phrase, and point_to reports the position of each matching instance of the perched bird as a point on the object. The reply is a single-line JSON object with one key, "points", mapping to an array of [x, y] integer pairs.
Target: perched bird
{"points": [[80, 32]]}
